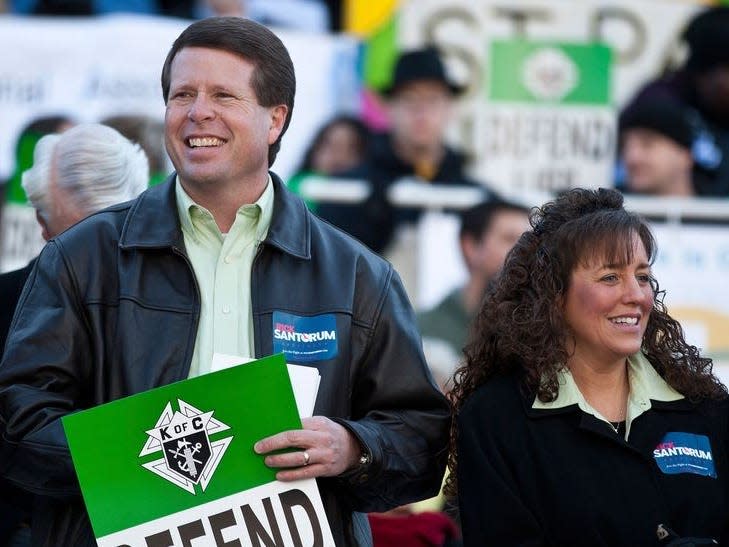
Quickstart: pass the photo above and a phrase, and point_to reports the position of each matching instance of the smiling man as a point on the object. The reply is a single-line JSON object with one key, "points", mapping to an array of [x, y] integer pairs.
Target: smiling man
{"points": [[218, 259]]}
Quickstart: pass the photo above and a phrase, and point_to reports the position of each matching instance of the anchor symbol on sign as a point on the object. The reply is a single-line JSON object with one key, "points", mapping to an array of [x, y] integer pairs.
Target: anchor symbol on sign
{"points": [[184, 456]]}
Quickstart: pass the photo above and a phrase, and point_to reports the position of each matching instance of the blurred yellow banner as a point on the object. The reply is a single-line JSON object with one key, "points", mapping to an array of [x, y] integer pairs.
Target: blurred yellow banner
{"points": [[363, 17]]}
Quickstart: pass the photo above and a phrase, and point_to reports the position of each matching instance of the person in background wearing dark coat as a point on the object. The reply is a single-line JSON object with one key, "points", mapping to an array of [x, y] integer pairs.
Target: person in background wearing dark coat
{"points": [[338, 147], [582, 416], [420, 105], [74, 174], [701, 88], [488, 232]]}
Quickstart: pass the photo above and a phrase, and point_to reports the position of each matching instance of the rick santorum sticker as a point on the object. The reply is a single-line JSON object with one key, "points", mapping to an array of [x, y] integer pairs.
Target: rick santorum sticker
{"points": [[305, 339]]}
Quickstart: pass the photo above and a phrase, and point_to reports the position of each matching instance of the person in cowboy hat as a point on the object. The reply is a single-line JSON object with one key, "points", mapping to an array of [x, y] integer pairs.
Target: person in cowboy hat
{"points": [[419, 103]]}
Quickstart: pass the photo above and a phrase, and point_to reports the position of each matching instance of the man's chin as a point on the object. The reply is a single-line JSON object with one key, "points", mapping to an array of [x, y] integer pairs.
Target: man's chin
{"points": [[199, 179]]}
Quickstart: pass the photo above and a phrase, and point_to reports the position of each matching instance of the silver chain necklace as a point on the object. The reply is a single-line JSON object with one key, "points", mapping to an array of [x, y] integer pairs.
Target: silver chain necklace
{"points": [[616, 428]]}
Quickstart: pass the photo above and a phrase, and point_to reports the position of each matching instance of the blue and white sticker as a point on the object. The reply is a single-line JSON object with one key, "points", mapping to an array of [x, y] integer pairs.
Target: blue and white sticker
{"points": [[305, 338], [685, 453]]}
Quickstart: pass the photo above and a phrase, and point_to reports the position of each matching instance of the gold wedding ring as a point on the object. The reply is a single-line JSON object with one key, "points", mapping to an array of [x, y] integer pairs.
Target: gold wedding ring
{"points": [[306, 458]]}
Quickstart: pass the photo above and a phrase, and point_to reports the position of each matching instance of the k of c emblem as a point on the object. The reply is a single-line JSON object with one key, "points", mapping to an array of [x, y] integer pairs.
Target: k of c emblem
{"points": [[189, 457]]}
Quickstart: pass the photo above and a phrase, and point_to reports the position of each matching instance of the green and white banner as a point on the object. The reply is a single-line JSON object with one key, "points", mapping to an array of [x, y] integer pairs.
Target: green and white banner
{"points": [[547, 72], [547, 123], [175, 466]]}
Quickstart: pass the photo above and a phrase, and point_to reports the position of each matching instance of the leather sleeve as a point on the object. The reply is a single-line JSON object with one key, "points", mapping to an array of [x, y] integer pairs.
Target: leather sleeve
{"points": [[43, 368], [401, 418]]}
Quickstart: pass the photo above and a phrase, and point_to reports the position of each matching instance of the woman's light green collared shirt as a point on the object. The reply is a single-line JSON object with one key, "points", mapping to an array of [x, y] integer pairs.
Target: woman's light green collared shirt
{"points": [[644, 384], [222, 264]]}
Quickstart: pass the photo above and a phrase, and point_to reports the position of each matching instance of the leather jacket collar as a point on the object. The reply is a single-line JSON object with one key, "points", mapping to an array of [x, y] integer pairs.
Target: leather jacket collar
{"points": [[153, 221]]}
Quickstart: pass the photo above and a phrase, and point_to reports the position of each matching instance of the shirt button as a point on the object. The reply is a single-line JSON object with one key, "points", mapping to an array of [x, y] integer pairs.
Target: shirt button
{"points": [[226, 309], [228, 259]]}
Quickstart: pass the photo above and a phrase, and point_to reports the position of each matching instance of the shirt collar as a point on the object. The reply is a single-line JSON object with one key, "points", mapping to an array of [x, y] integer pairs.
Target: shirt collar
{"points": [[645, 385], [187, 209], [185, 206], [265, 202]]}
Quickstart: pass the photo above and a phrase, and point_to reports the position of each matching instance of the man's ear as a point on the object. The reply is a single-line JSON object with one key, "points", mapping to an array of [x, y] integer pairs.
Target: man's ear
{"points": [[468, 250], [45, 230], [278, 118]]}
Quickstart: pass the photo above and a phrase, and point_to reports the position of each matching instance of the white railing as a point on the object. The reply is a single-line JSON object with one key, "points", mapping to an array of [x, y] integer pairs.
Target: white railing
{"points": [[409, 192]]}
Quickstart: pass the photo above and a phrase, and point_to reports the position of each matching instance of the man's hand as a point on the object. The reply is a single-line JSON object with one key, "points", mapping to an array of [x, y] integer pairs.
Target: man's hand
{"points": [[327, 449]]}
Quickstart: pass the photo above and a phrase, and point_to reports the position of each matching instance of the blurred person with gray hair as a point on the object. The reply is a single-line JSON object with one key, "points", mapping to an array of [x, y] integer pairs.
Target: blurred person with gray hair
{"points": [[87, 168], [149, 133]]}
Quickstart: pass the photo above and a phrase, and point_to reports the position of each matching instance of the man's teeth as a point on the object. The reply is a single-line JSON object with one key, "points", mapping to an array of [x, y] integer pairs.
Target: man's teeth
{"points": [[205, 141], [626, 320]]}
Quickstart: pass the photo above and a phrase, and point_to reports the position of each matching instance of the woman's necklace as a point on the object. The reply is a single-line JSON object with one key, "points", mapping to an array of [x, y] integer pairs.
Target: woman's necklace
{"points": [[617, 426]]}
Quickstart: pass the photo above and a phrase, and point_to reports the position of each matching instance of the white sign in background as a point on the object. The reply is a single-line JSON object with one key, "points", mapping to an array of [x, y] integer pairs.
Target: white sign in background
{"points": [[692, 266], [530, 148], [21, 238], [89, 68]]}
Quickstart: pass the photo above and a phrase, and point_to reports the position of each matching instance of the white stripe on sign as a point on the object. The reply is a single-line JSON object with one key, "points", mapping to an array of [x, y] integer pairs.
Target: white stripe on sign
{"points": [[276, 513]]}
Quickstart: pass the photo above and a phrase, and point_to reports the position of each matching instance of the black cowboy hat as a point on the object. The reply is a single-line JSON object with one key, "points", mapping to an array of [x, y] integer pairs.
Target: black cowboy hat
{"points": [[418, 65]]}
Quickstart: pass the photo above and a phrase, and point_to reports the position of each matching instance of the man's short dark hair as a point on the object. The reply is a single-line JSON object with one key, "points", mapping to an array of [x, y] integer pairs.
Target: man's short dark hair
{"points": [[273, 79], [476, 220]]}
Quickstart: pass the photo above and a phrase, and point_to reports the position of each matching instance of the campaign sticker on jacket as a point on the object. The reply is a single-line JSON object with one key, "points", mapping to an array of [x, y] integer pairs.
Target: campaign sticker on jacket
{"points": [[305, 338], [680, 452]]}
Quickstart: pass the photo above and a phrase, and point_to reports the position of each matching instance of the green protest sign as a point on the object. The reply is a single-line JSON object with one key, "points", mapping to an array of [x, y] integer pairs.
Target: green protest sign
{"points": [[524, 71], [163, 467], [548, 124]]}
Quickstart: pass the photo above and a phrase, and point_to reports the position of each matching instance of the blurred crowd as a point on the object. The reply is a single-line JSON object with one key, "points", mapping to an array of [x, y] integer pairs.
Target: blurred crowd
{"points": [[310, 15], [673, 141]]}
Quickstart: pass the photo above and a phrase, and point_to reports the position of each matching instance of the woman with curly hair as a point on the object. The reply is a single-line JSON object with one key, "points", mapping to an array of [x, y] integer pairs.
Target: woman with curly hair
{"points": [[582, 416]]}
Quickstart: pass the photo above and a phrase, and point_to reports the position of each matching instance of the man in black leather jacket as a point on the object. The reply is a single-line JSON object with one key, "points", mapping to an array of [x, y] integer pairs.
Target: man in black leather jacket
{"points": [[118, 304]]}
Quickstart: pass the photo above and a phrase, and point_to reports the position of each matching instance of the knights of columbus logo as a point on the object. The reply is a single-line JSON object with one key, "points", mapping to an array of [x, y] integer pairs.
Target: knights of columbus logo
{"points": [[183, 437]]}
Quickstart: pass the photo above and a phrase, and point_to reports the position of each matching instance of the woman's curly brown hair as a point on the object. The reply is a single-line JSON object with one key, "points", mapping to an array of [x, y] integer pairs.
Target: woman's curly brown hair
{"points": [[521, 328]]}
